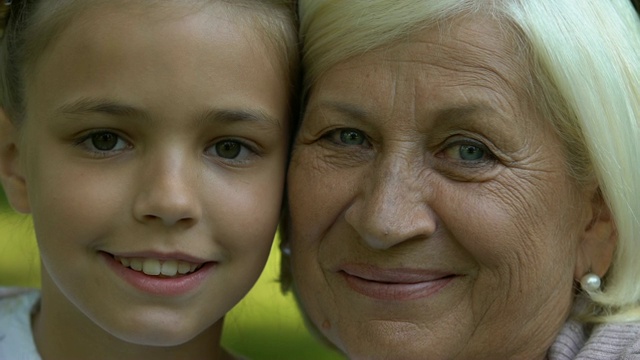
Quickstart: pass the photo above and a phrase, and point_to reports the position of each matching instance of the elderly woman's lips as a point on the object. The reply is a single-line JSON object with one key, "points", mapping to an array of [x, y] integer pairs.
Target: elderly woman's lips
{"points": [[394, 284]]}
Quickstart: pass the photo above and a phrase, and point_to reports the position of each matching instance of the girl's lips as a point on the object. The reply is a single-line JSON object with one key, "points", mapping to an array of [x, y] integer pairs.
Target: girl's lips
{"points": [[159, 284], [399, 284]]}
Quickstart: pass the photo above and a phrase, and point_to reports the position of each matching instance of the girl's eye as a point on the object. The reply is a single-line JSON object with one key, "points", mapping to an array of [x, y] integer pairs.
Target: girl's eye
{"points": [[103, 141], [228, 149], [232, 150]]}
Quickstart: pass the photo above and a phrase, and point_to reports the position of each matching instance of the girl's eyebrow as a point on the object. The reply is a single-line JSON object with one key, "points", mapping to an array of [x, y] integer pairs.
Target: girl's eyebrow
{"points": [[258, 117], [109, 107], [104, 106]]}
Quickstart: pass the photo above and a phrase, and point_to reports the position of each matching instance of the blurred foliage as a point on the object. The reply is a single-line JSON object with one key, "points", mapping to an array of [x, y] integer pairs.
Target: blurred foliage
{"points": [[265, 325]]}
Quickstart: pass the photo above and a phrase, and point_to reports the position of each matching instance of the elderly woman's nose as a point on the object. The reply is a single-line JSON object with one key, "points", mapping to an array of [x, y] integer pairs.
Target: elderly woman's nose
{"points": [[391, 206]]}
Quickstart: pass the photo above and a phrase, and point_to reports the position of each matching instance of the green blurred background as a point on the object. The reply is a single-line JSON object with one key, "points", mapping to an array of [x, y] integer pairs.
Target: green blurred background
{"points": [[265, 325]]}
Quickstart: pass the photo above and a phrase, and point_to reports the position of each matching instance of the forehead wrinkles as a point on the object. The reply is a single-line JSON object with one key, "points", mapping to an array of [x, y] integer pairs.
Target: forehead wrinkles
{"points": [[471, 53]]}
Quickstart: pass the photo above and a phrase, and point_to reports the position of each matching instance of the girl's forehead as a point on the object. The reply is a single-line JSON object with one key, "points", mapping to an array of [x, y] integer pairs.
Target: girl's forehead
{"points": [[185, 59], [89, 27], [43, 24], [133, 17], [52, 18]]}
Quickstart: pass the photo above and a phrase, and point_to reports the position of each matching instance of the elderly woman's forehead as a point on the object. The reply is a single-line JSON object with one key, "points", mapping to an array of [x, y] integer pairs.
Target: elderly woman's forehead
{"points": [[468, 40], [471, 49]]}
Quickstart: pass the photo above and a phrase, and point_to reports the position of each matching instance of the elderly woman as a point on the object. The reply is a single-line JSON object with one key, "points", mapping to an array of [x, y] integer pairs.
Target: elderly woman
{"points": [[465, 181]]}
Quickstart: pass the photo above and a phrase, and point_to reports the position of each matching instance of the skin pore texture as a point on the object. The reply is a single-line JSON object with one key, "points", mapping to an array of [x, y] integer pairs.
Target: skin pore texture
{"points": [[167, 147], [431, 212]]}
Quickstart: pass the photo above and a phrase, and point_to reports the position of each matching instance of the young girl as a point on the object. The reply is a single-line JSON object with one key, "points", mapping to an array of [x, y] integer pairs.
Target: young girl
{"points": [[148, 139]]}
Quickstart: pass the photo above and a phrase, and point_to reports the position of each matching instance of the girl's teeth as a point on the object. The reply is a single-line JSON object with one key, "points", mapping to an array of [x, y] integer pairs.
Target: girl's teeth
{"points": [[151, 267], [136, 264], [169, 268], [156, 267], [183, 267]]}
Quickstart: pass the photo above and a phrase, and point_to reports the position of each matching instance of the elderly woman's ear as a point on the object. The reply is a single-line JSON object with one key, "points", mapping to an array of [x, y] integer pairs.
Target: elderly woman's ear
{"points": [[598, 243]]}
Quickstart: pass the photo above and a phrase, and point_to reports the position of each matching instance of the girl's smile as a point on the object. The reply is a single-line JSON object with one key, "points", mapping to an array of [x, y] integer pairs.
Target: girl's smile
{"points": [[155, 266], [161, 277]]}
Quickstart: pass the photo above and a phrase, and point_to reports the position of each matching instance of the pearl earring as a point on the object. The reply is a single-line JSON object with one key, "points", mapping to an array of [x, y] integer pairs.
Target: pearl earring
{"points": [[590, 282]]}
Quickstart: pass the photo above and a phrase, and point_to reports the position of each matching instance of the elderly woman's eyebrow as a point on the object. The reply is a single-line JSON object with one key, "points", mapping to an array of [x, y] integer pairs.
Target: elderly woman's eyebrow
{"points": [[350, 110], [462, 111], [465, 111]]}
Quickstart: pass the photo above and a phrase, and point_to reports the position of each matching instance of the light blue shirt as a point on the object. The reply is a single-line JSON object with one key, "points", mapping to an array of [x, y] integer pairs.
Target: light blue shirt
{"points": [[16, 337]]}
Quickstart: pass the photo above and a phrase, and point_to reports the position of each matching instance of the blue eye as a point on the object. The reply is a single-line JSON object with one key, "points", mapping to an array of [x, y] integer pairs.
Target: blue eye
{"points": [[347, 137], [471, 152], [352, 137], [468, 151]]}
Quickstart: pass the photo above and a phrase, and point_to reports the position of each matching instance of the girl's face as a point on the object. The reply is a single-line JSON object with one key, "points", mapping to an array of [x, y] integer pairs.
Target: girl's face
{"points": [[153, 157]]}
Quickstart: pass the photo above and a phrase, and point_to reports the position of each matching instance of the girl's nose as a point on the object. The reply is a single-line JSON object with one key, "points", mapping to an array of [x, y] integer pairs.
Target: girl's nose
{"points": [[168, 193]]}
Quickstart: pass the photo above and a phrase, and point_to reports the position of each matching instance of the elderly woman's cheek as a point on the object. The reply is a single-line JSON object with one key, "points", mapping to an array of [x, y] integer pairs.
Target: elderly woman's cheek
{"points": [[314, 191], [326, 171], [533, 218]]}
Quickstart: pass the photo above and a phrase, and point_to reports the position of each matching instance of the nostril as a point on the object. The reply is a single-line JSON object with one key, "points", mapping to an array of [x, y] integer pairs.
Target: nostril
{"points": [[155, 204], [169, 218], [385, 225]]}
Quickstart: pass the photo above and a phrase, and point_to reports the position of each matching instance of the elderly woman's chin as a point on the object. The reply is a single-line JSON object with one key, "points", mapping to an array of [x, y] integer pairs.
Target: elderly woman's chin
{"points": [[447, 318], [432, 214], [441, 325]]}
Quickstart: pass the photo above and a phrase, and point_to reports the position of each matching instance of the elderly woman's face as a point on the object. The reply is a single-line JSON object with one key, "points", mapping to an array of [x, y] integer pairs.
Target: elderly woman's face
{"points": [[432, 215]]}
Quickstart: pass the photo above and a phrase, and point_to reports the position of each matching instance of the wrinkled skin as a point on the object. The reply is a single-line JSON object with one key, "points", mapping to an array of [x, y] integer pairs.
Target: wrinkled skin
{"points": [[432, 214]]}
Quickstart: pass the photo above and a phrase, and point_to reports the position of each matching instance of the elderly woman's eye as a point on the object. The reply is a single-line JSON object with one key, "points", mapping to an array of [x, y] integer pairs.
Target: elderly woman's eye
{"points": [[351, 137], [347, 137], [468, 151]]}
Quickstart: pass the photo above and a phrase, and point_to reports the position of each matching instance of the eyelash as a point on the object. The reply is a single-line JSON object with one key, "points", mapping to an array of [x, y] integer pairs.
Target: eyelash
{"points": [[244, 147], [458, 145], [86, 141], [332, 136], [335, 137]]}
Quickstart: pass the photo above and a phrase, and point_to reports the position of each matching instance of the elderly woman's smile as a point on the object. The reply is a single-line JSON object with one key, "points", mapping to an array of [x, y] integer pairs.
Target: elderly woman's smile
{"points": [[431, 206], [394, 284]]}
